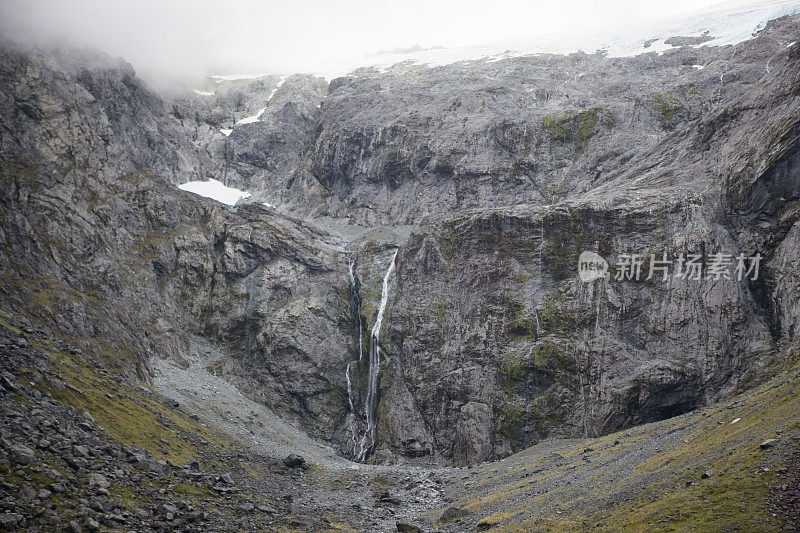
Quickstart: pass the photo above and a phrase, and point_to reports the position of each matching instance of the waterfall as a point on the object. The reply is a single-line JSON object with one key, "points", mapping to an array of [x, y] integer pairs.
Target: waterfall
{"points": [[356, 297], [536, 319], [541, 280], [351, 422], [349, 387], [368, 439]]}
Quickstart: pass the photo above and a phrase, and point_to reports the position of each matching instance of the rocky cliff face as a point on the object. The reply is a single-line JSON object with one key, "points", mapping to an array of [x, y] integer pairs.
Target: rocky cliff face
{"points": [[100, 247], [497, 336], [84, 168], [487, 178]]}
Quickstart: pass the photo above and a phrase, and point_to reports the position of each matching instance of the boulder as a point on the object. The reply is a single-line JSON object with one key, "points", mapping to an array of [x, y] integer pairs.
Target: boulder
{"points": [[294, 461]]}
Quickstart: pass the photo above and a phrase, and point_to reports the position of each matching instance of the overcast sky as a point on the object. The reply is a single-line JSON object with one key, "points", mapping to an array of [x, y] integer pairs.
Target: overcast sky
{"points": [[248, 36]]}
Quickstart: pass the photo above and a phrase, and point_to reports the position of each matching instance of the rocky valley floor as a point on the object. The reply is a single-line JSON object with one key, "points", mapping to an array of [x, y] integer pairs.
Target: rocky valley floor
{"points": [[81, 450]]}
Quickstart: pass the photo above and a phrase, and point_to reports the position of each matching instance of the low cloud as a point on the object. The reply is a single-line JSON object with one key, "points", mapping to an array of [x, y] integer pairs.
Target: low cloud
{"points": [[192, 38]]}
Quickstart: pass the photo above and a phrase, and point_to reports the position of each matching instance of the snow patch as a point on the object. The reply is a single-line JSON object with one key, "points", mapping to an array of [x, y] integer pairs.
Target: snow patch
{"points": [[278, 86], [698, 67], [220, 78], [253, 118], [215, 190], [204, 93], [791, 44], [620, 49]]}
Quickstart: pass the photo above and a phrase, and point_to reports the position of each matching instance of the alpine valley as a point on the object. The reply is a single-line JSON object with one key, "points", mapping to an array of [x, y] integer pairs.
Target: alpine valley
{"points": [[381, 326]]}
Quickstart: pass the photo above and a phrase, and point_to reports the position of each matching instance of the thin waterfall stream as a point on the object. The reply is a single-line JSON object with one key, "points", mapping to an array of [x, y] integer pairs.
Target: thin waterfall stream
{"points": [[356, 297], [368, 439], [535, 306]]}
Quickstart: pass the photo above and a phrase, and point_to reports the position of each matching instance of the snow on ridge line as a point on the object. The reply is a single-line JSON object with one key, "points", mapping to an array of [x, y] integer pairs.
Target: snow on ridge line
{"points": [[220, 78], [215, 190], [727, 23]]}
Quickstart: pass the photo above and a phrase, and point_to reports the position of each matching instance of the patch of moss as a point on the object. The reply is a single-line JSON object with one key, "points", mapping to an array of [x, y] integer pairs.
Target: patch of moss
{"points": [[127, 496], [149, 248], [586, 121], [514, 365], [522, 323], [134, 178], [667, 106], [566, 234], [115, 357], [132, 417], [10, 476], [548, 354], [576, 126], [193, 490], [511, 421], [46, 293], [494, 519], [728, 503], [552, 190], [558, 125], [552, 313], [5, 322]]}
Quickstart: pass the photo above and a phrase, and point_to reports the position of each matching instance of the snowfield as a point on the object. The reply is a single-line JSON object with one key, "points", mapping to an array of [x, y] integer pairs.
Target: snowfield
{"points": [[726, 23], [253, 118], [215, 190]]}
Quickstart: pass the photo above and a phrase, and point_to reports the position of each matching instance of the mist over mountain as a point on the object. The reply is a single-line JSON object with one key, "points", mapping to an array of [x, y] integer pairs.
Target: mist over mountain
{"points": [[190, 39]]}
